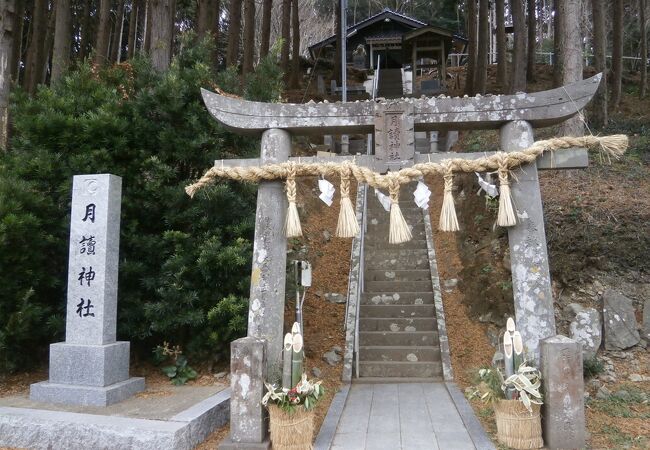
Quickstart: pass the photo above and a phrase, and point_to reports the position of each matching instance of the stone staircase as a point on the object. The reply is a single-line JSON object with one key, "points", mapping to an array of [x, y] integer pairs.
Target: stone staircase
{"points": [[390, 83], [398, 333]]}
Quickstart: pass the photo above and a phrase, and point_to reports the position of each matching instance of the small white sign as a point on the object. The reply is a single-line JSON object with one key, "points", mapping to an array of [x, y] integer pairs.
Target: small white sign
{"points": [[327, 191], [490, 189], [383, 199], [422, 195]]}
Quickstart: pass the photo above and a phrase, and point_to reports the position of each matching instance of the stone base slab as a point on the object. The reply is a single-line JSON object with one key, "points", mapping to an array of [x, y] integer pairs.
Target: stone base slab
{"points": [[89, 365], [228, 444], [71, 394], [56, 430]]}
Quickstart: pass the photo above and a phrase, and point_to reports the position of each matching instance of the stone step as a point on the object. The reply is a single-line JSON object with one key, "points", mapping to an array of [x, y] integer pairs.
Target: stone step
{"points": [[382, 231], [374, 262], [397, 311], [400, 369], [393, 251], [398, 286], [397, 324], [411, 215], [395, 298], [382, 241], [410, 338], [396, 275], [393, 380], [399, 353]]}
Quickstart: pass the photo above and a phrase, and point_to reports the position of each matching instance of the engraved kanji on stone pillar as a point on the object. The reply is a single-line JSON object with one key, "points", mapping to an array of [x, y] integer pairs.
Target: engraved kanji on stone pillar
{"points": [[91, 367]]}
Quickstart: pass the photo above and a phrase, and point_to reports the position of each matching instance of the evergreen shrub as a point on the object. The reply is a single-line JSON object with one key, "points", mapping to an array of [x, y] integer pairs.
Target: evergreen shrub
{"points": [[184, 263]]}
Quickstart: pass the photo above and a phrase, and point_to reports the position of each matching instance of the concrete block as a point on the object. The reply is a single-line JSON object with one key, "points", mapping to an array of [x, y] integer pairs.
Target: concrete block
{"points": [[71, 394], [563, 410], [248, 418], [89, 365]]}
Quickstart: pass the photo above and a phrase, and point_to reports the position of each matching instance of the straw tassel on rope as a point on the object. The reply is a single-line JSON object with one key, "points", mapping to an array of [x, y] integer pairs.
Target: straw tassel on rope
{"points": [[448, 219], [399, 229], [347, 225], [506, 216], [292, 224]]}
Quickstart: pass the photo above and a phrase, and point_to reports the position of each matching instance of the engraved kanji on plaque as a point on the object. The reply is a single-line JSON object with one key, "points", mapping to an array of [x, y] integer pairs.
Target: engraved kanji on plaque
{"points": [[394, 135]]}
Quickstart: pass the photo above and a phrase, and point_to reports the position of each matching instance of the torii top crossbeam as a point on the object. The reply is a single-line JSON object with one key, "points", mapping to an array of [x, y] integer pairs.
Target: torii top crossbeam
{"points": [[540, 109]]}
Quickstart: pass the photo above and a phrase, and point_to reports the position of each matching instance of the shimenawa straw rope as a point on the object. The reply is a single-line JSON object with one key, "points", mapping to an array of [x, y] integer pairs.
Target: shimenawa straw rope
{"points": [[611, 146]]}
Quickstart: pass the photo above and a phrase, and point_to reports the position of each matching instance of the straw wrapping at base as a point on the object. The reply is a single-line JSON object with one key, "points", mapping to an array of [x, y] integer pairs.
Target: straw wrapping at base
{"points": [[516, 427], [291, 431]]}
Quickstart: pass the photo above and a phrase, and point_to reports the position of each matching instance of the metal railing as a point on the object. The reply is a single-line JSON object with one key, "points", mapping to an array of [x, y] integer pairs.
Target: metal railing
{"points": [[631, 62], [375, 79], [361, 282]]}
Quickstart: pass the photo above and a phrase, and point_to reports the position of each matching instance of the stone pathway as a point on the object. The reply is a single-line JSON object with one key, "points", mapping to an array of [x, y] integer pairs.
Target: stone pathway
{"points": [[404, 416]]}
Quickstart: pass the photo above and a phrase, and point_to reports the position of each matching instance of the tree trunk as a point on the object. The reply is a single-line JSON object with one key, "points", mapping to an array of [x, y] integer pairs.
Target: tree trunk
{"points": [[147, 27], [483, 46], [617, 54], [234, 30], [599, 103], [62, 37], [162, 28], [295, 52], [133, 28], [571, 43], [502, 55], [643, 48], [338, 74], [103, 32], [558, 27], [17, 46], [532, 34], [208, 18], [267, 6], [249, 36], [7, 41], [116, 43], [85, 45], [286, 36], [518, 81], [44, 63], [35, 49], [470, 87]]}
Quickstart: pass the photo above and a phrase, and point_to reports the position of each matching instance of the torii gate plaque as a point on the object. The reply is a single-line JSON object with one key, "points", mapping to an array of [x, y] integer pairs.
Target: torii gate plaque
{"points": [[394, 123]]}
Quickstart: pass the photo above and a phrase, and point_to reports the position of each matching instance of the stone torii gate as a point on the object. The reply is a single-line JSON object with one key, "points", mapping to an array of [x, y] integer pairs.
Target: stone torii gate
{"points": [[394, 124]]}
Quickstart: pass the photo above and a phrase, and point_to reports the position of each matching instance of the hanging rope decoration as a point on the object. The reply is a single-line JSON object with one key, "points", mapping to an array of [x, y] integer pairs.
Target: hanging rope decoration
{"points": [[399, 230], [506, 216], [610, 146], [448, 219], [292, 225], [347, 225]]}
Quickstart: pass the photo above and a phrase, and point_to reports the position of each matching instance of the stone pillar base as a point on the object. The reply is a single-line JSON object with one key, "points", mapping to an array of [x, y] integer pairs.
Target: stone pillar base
{"points": [[229, 444], [88, 375], [70, 394]]}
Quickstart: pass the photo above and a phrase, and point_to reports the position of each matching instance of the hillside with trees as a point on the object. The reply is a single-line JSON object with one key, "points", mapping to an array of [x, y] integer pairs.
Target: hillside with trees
{"points": [[113, 86]]}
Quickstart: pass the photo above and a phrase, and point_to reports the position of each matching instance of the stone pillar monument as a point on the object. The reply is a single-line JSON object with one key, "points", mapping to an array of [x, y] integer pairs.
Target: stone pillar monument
{"points": [[91, 367], [564, 402]]}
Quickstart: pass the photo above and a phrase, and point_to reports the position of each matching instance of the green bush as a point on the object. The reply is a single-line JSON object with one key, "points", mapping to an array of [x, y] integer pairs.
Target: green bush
{"points": [[179, 257]]}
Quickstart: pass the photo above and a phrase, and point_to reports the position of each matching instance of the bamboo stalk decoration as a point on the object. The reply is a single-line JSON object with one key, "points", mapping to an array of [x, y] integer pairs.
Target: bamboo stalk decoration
{"points": [[287, 354], [298, 355], [347, 226], [513, 352]]}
